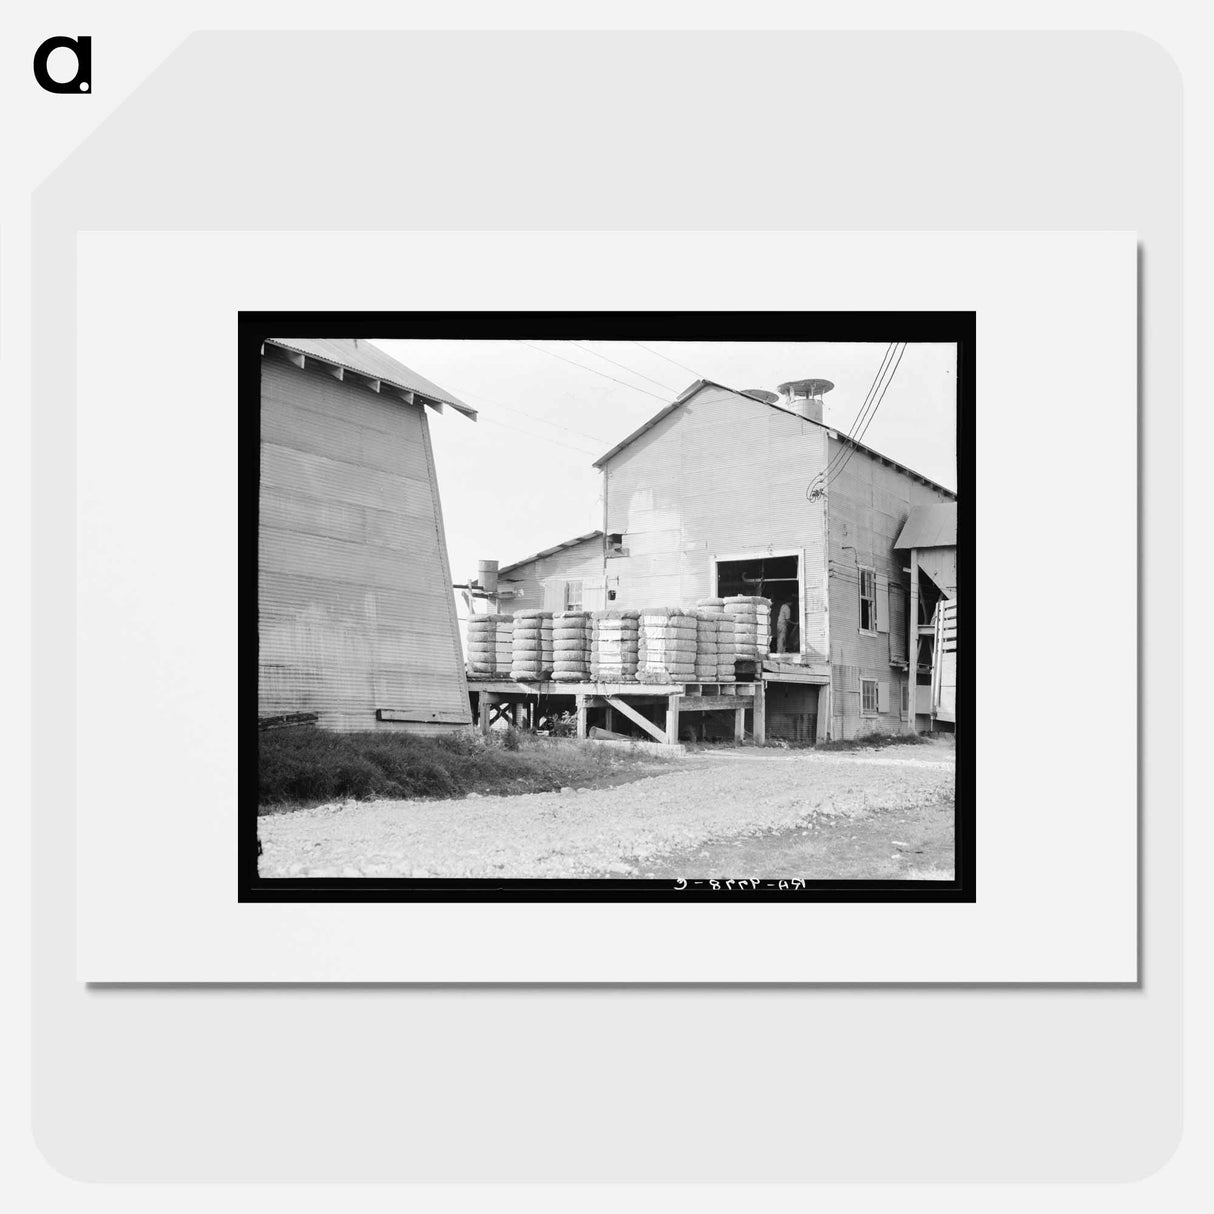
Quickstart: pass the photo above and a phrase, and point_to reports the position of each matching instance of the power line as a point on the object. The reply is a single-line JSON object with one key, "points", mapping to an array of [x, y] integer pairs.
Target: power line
{"points": [[594, 438], [595, 371], [872, 388], [659, 353], [624, 367], [858, 438], [822, 479], [543, 438]]}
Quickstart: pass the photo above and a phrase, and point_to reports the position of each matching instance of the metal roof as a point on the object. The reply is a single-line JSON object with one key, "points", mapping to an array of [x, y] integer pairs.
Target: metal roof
{"points": [[690, 391], [933, 526], [581, 539], [362, 358]]}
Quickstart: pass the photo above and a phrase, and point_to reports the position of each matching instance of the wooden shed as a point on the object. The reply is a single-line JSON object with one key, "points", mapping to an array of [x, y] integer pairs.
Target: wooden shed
{"points": [[356, 623]]}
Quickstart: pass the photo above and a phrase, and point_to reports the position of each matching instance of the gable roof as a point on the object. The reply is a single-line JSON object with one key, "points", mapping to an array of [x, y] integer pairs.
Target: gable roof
{"points": [[362, 358], [759, 398], [535, 556], [933, 526], [682, 398]]}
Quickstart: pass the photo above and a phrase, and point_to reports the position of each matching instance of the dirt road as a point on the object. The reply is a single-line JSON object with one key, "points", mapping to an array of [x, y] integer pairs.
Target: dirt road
{"points": [[772, 812]]}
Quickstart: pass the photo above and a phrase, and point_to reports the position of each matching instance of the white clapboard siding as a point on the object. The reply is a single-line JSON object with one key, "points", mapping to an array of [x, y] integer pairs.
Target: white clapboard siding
{"points": [[355, 612]]}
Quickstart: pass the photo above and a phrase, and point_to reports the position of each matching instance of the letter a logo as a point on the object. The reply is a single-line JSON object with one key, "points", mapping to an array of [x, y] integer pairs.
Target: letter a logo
{"points": [[82, 81]]}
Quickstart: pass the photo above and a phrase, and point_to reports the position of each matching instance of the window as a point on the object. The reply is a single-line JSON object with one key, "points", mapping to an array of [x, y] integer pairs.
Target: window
{"points": [[573, 596], [868, 600], [775, 577], [868, 697]]}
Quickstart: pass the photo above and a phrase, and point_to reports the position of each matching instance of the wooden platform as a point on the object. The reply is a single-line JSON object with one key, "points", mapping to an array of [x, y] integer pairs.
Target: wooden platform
{"points": [[498, 699]]}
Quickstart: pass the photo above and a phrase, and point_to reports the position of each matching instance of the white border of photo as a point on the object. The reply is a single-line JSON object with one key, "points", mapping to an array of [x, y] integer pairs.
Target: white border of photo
{"points": [[1056, 426]]}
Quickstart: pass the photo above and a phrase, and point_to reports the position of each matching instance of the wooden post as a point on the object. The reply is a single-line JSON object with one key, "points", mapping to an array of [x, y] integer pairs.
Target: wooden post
{"points": [[672, 718], [739, 722], [759, 729], [912, 651], [582, 714], [519, 715], [609, 717], [483, 702]]}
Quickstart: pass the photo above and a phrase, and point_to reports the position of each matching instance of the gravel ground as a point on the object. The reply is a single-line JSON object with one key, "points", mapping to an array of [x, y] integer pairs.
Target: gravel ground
{"points": [[711, 795]]}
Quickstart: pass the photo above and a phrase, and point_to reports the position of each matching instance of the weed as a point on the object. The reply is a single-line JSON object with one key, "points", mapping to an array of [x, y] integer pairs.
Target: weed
{"points": [[306, 766]]}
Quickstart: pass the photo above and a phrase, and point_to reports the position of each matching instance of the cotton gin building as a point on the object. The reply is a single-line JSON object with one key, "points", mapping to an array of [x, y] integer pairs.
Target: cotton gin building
{"points": [[727, 492], [356, 622]]}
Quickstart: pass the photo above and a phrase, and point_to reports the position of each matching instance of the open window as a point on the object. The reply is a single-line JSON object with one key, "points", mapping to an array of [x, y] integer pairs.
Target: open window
{"points": [[868, 599], [777, 578], [573, 595]]}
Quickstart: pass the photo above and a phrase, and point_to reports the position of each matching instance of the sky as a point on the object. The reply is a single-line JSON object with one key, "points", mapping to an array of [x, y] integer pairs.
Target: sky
{"points": [[520, 479]]}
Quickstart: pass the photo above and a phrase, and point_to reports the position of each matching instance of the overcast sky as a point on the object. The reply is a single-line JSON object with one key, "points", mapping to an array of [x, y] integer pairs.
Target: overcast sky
{"points": [[520, 478]]}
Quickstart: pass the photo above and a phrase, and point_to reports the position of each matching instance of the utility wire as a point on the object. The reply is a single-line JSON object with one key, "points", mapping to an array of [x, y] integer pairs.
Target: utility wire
{"points": [[624, 367], [594, 438], [822, 479], [667, 357], [543, 438], [594, 371], [868, 398], [859, 438]]}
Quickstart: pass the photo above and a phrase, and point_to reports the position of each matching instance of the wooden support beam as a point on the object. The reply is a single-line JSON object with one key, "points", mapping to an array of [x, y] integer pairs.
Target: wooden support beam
{"points": [[330, 369], [444, 716], [672, 718], [631, 713], [739, 723], [485, 701], [582, 717], [292, 357], [706, 703], [759, 716]]}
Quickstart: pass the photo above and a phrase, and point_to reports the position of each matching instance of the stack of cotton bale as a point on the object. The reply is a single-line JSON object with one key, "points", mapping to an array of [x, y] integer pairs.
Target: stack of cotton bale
{"points": [[613, 646], [707, 628], [726, 646], [666, 647], [531, 646], [571, 647], [482, 646], [751, 617], [504, 643]]}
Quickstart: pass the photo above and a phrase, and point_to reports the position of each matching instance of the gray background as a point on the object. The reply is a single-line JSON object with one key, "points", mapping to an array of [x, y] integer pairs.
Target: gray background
{"points": [[567, 131]]}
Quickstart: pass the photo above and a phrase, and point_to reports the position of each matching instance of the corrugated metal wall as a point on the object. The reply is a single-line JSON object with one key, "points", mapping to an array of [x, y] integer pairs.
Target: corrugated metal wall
{"points": [[718, 476], [868, 504], [354, 589], [543, 581]]}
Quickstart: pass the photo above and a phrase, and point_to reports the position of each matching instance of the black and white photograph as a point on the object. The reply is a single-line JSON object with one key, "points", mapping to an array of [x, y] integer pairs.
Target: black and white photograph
{"points": [[605, 606]]}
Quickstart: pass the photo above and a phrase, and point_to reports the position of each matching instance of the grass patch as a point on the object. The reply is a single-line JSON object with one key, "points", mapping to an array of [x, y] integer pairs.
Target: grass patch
{"points": [[875, 741], [305, 766]]}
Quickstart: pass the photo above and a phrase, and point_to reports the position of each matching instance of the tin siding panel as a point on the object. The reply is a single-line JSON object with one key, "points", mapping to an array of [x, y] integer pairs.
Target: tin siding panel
{"points": [[355, 610], [719, 476], [543, 581], [869, 502]]}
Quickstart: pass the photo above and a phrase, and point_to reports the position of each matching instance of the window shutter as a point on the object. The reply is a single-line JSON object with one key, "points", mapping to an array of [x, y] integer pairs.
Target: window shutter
{"points": [[883, 697], [882, 595]]}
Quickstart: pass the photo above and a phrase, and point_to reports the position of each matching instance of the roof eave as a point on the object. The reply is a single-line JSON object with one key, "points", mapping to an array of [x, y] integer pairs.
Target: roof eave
{"points": [[384, 387]]}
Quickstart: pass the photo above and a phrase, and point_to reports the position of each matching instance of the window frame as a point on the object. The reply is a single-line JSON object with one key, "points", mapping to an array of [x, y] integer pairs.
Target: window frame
{"points": [[870, 599], [580, 583], [875, 710]]}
